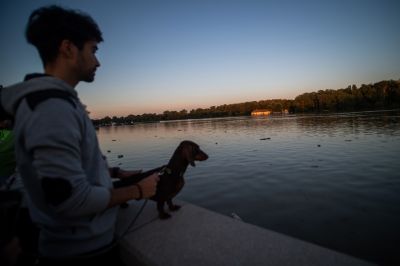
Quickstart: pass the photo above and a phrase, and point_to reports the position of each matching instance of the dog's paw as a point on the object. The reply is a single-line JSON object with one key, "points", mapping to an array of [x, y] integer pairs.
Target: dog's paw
{"points": [[174, 207], [164, 216]]}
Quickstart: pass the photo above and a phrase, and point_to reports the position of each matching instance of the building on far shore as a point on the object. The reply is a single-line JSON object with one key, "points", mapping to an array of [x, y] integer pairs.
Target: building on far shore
{"points": [[266, 112], [261, 112]]}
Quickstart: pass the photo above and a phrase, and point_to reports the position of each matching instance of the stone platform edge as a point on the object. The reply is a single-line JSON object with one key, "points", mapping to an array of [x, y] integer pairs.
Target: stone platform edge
{"points": [[196, 236]]}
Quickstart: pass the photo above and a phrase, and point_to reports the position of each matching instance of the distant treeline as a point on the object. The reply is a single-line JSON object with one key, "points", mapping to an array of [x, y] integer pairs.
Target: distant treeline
{"points": [[381, 95]]}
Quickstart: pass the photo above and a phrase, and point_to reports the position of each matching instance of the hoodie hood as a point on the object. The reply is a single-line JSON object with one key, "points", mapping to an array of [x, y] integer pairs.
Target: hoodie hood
{"points": [[12, 95]]}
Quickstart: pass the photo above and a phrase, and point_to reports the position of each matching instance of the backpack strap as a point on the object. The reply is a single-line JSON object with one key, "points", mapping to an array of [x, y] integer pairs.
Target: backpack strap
{"points": [[35, 98]]}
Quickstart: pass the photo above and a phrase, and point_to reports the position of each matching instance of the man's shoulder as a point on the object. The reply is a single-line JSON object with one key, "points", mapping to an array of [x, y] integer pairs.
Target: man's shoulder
{"points": [[35, 91], [35, 98]]}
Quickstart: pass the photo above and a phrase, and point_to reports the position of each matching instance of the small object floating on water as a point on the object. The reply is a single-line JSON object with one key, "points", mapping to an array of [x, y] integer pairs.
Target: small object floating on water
{"points": [[348, 140], [114, 140], [108, 151], [119, 163], [265, 138], [120, 156], [319, 145], [235, 216], [216, 143]]}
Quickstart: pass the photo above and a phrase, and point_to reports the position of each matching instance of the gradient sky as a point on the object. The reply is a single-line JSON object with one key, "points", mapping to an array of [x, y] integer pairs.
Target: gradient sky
{"points": [[173, 55]]}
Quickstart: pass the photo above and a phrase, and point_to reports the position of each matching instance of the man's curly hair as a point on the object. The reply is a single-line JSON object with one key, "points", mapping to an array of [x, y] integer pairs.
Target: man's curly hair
{"points": [[48, 26]]}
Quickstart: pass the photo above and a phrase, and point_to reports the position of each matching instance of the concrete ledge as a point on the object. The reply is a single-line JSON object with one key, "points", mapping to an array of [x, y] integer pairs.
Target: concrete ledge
{"points": [[196, 236]]}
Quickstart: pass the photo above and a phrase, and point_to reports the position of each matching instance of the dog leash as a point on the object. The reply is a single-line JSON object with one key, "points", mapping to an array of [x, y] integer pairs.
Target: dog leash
{"points": [[132, 223], [163, 171]]}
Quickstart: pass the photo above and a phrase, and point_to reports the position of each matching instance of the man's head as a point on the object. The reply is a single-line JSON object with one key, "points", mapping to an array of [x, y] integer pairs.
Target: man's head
{"points": [[54, 30]]}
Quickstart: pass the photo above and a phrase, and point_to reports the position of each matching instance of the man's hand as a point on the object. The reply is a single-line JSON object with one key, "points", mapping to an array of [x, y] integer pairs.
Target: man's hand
{"points": [[149, 185], [148, 188]]}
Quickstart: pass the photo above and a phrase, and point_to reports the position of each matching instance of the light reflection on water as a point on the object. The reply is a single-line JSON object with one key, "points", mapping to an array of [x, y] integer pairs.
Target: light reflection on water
{"points": [[330, 179]]}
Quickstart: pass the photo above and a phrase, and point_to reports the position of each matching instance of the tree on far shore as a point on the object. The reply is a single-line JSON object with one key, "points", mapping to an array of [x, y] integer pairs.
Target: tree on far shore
{"points": [[381, 95]]}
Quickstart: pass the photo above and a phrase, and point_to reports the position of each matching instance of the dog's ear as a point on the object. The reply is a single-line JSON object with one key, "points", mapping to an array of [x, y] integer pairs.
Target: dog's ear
{"points": [[189, 153], [190, 157]]}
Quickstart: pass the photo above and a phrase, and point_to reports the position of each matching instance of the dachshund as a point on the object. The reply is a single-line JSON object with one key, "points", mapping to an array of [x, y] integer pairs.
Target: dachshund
{"points": [[171, 176]]}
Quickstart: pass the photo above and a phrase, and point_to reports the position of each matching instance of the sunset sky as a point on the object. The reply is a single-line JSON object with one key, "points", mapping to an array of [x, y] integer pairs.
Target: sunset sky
{"points": [[173, 55]]}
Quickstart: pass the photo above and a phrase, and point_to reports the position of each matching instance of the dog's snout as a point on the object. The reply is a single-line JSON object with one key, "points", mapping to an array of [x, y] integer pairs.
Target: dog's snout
{"points": [[201, 156]]}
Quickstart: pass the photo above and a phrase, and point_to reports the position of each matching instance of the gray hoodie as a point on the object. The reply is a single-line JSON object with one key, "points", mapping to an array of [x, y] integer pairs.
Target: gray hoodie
{"points": [[63, 171]]}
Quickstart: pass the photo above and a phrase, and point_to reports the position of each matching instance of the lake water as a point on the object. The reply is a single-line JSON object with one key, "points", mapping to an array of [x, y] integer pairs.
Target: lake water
{"points": [[333, 180]]}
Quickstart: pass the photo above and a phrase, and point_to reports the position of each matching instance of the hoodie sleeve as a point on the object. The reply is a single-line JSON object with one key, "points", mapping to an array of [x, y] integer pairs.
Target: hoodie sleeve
{"points": [[53, 137]]}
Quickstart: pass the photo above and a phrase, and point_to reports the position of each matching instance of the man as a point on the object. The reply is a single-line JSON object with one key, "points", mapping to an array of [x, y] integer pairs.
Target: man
{"points": [[68, 183]]}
